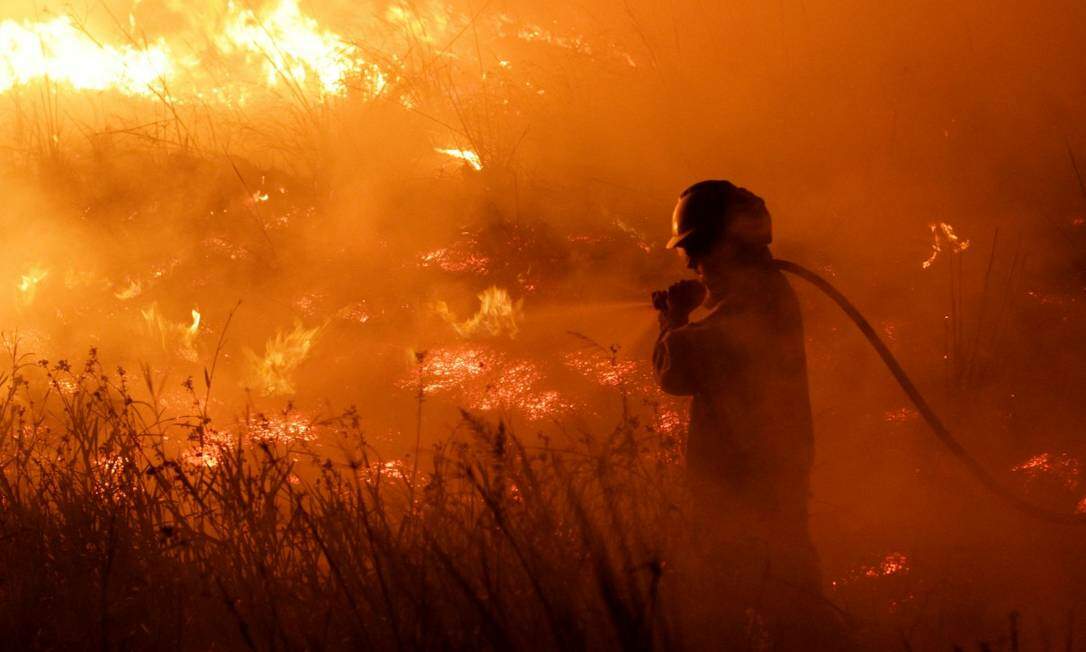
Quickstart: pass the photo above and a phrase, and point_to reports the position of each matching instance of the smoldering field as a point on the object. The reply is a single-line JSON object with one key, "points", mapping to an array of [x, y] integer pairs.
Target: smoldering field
{"points": [[425, 208]]}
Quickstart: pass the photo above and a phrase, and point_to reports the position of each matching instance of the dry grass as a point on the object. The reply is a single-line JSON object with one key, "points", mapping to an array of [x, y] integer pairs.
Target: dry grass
{"points": [[114, 538]]}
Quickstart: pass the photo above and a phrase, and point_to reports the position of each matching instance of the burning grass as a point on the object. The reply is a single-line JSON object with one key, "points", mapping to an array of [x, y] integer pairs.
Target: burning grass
{"points": [[132, 528]]}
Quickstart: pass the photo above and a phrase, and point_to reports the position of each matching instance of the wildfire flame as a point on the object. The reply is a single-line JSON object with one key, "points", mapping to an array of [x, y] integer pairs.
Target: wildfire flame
{"points": [[943, 236], [295, 49], [498, 315], [272, 373], [130, 291], [195, 322], [172, 337], [290, 47], [58, 51], [465, 155], [28, 284]]}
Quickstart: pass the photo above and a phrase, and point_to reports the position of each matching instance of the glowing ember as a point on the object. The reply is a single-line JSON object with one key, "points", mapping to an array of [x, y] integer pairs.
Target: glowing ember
{"points": [[465, 155], [1051, 299], [483, 379], [283, 429], [66, 386], [1060, 467], [894, 563], [226, 248], [671, 420], [900, 415], [272, 374], [603, 367], [216, 445], [449, 368], [943, 236], [60, 52], [517, 388], [498, 315], [109, 472], [596, 366], [455, 260], [396, 470]]}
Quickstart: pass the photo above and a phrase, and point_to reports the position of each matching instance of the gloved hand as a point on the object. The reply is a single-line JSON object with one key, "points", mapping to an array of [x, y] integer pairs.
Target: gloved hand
{"points": [[678, 301]]}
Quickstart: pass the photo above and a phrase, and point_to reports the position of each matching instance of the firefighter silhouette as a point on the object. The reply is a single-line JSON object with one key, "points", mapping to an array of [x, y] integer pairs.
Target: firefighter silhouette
{"points": [[751, 443]]}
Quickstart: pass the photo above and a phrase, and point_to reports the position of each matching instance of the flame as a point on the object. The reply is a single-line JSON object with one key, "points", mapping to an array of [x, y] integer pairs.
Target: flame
{"points": [[465, 155], [427, 29], [28, 284], [497, 315], [59, 52], [195, 322], [272, 374], [172, 337], [291, 48], [943, 236], [577, 43], [296, 50], [131, 291], [356, 312]]}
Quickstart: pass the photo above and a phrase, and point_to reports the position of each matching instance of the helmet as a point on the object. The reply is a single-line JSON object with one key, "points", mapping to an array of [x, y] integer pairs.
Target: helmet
{"points": [[712, 209]]}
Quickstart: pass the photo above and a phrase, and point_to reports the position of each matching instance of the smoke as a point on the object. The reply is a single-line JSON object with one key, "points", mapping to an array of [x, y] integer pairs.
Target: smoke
{"points": [[342, 169]]}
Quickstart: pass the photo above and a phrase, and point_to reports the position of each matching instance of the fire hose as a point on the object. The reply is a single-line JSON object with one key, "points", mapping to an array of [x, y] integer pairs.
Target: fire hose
{"points": [[934, 422]]}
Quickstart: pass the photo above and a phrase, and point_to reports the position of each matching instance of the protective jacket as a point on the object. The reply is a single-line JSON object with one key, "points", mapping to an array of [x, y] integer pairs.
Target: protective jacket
{"points": [[750, 439]]}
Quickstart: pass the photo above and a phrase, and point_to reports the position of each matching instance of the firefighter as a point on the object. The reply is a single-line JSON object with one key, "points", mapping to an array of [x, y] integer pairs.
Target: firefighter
{"points": [[750, 444]]}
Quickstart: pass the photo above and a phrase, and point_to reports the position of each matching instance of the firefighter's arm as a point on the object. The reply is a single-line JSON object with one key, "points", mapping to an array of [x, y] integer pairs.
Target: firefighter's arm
{"points": [[674, 359], [675, 362]]}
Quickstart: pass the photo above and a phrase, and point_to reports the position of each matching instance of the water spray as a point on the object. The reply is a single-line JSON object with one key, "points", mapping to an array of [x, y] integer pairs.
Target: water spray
{"points": [[930, 417]]}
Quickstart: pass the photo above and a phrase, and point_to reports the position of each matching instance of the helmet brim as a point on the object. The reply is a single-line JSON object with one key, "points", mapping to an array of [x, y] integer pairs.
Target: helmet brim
{"points": [[678, 239]]}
